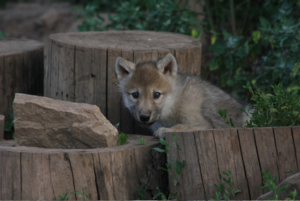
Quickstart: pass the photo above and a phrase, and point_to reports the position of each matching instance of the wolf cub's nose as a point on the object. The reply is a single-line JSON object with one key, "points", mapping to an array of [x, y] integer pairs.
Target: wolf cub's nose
{"points": [[144, 118]]}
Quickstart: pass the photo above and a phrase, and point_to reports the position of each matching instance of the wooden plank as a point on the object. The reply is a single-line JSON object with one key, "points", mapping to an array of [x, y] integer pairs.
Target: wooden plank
{"points": [[9, 83], [19, 72], [127, 122], [2, 85], [67, 73], [37, 74], [1, 174], [113, 95], [266, 149], [194, 61], [286, 152], [174, 155], [83, 163], [105, 177], [47, 81], [193, 184], [36, 182], [54, 70], [181, 58], [61, 175], [131, 179], [2, 121], [251, 162], [183, 180], [229, 158], [11, 176], [296, 138], [207, 157], [99, 72], [117, 171], [84, 83]]}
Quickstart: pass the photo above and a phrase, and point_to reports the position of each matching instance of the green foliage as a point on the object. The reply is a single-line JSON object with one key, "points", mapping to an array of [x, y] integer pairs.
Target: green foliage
{"points": [[9, 124], [153, 15], [122, 139], [270, 184], [142, 141], [293, 194], [223, 114], [222, 193], [282, 108], [64, 197], [82, 194], [142, 193], [2, 34], [173, 167], [263, 49]]}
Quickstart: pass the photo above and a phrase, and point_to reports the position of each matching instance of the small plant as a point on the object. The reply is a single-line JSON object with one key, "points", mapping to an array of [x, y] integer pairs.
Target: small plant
{"points": [[142, 192], [2, 34], [177, 166], [293, 194], [279, 109], [82, 194], [171, 164], [122, 137], [270, 184], [64, 197], [9, 124], [222, 193], [223, 114], [142, 141]]}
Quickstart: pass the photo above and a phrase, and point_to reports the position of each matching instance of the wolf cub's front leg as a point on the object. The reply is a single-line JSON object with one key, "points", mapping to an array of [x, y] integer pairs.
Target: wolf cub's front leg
{"points": [[160, 133]]}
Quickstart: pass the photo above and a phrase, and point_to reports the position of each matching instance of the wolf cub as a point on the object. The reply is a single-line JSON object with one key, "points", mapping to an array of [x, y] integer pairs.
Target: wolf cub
{"points": [[167, 101]]}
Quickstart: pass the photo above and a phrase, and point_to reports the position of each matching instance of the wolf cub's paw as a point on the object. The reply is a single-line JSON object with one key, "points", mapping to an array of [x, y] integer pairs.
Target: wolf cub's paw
{"points": [[160, 133]]}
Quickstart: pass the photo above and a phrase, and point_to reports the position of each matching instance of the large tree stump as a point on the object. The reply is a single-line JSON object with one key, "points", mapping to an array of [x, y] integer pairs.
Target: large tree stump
{"points": [[245, 152], [82, 66], [29, 173], [21, 71]]}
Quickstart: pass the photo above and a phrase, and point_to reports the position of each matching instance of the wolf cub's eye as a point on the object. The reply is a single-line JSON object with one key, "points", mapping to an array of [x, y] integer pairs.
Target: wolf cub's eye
{"points": [[135, 95], [156, 95]]}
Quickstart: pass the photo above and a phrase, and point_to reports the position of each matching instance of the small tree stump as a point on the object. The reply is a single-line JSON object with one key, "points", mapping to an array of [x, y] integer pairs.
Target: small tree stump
{"points": [[21, 71], [245, 152], [30, 173], [82, 66]]}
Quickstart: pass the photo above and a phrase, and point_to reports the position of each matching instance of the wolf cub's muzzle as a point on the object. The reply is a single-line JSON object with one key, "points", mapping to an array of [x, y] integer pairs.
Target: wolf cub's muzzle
{"points": [[144, 118]]}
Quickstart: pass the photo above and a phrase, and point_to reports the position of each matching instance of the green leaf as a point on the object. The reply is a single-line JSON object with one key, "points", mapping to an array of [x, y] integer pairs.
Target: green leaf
{"points": [[122, 138], [214, 65], [159, 150], [142, 141], [255, 36]]}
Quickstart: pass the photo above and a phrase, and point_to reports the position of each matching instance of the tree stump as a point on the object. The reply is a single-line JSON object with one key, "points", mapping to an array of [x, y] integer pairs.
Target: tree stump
{"points": [[21, 71], [82, 66], [245, 152], [30, 173]]}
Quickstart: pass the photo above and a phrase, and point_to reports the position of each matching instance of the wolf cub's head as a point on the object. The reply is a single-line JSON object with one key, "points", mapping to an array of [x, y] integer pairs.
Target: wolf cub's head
{"points": [[146, 86]]}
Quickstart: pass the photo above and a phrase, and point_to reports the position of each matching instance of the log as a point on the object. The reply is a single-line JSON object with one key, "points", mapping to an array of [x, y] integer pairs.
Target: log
{"points": [[21, 71], [81, 66], [31, 173], [2, 120], [245, 152]]}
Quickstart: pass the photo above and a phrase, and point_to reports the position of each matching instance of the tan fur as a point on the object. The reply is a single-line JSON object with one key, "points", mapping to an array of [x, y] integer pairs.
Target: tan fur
{"points": [[186, 102]]}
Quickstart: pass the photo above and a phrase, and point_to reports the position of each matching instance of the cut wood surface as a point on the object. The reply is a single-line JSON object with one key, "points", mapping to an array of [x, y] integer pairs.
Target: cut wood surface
{"points": [[29, 173], [245, 152], [21, 71], [81, 66]]}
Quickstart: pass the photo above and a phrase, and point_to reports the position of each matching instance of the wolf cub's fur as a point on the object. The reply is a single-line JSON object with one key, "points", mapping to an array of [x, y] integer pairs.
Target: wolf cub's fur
{"points": [[158, 96]]}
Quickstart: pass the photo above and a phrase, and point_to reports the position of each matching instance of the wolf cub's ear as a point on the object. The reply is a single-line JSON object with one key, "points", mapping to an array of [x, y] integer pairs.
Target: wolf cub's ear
{"points": [[123, 67], [168, 65]]}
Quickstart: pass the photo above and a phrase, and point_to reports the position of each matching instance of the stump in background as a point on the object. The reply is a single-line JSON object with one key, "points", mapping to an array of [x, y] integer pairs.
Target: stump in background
{"points": [[21, 71], [82, 66], [245, 152], [31, 173]]}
